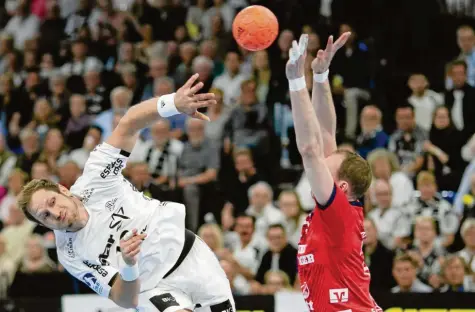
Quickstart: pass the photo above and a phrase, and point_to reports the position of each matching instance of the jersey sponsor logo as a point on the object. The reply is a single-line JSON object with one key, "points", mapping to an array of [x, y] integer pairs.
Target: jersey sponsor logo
{"points": [[86, 194], [105, 255], [339, 295], [164, 301], [117, 219], [302, 249], [306, 259], [70, 249], [114, 167], [91, 281], [97, 268], [305, 291], [110, 205]]}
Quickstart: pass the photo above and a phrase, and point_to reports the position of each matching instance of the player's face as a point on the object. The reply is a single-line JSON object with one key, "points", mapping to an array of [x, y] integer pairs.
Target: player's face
{"points": [[54, 210], [404, 273]]}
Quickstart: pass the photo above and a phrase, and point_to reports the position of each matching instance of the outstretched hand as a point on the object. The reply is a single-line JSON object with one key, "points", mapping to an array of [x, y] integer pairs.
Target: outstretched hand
{"points": [[295, 67], [324, 57], [188, 102]]}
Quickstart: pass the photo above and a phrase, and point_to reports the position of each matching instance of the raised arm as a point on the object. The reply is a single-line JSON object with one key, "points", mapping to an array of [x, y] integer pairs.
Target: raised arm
{"points": [[322, 99], [140, 116], [307, 128]]}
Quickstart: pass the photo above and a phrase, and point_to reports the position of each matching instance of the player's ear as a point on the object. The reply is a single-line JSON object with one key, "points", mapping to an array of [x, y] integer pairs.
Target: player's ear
{"points": [[64, 190]]}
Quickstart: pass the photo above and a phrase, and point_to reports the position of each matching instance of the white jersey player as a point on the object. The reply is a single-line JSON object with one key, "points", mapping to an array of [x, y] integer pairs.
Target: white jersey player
{"points": [[126, 246]]}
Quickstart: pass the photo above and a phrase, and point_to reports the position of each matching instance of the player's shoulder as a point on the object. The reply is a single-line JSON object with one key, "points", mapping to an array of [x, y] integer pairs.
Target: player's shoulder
{"points": [[66, 244]]}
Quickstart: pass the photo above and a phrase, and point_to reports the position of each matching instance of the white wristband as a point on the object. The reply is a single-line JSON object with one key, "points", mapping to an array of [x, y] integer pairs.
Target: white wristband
{"points": [[166, 105], [297, 84], [321, 78], [130, 273]]}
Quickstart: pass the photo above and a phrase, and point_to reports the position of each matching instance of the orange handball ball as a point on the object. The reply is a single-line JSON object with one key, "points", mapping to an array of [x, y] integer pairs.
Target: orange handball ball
{"points": [[255, 28]]}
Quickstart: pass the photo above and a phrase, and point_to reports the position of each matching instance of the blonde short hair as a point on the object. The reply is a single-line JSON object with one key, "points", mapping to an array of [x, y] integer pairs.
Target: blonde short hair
{"points": [[24, 198]]}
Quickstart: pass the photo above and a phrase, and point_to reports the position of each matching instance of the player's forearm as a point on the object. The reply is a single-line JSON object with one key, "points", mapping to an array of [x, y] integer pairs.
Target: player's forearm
{"points": [[125, 294], [307, 128], [322, 101], [139, 116]]}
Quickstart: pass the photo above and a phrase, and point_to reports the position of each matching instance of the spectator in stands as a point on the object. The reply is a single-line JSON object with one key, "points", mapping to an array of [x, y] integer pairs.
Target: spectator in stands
{"points": [[6, 47], [198, 168], [43, 117], [428, 255], [404, 272], [231, 273], [238, 184], [231, 80], [128, 56], [78, 124], [59, 98], [40, 170], [47, 66], [372, 135], [7, 161], [23, 26], [129, 76], [96, 95], [36, 258], [7, 269], [53, 149], [424, 100], [140, 178], [351, 70], [16, 180], [161, 154], [80, 62], [280, 257], [203, 66], [68, 173], [212, 235], [466, 43], [52, 28], [467, 231], [16, 233], [275, 281], [428, 203], [260, 199], [390, 222], [385, 166], [378, 258], [91, 140], [30, 145], [184, 70], [295, 216], [459, 99], [148, 48], [456, 275], [261, 74], [209, 49], [84, 15], [442, 151], [158, 68], [221, 8], [121, 99], [218, 115], [407, 141]]}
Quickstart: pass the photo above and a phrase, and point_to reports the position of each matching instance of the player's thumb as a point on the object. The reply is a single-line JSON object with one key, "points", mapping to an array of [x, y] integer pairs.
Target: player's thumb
{"points": [[199, 115]]}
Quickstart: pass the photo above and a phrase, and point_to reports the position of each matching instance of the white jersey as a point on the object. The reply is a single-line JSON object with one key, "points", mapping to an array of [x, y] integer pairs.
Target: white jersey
{"points": [[115, 207]]}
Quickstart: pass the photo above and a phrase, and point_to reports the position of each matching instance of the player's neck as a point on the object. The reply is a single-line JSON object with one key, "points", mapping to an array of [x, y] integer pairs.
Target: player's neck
{"points": [[83, 217]]}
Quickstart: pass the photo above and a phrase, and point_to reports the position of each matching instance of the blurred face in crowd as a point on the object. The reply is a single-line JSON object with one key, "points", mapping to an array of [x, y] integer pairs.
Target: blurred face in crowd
{"points": [[12, 62], [58, 85], [466, 39], [216, 24], [208, 49], [427, 189], [180, 33], [382, 168], [261, 60], [162, 87], [424, 231], [16, 215], [232, 63], [79, 50], [187, 52], [69, 172], [42, 110], [244, 228], [40, 170], [285, 40], [2, 245], [405, 119], [29, 143], [313, 43], [458, 73], [204, 69], [92, 80], [218, 96], [248, 93], [370, 118], [210, 237], [6, 84], [130, 79], [32, 80], [469, 238], [127, 52], [260, 197], [6, 45], [92, 138], [243, 163], [34, 249], [77, 105], [147, 33], [382, 191], [54, 141], [29, 59], [289, 204], [139, 175], [158, 68], [196, 131], [161, 132], [345, 28], [229, 269], [275, 281], [277, 239], [120, 101], [16, 181], [454, 272], [47, 62], [404, 273], [371, 233], [441, 118], [418, 84]]}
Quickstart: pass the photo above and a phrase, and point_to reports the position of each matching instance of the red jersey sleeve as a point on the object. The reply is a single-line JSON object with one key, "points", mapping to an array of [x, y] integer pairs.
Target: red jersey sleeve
{"points": [[338, 217]]}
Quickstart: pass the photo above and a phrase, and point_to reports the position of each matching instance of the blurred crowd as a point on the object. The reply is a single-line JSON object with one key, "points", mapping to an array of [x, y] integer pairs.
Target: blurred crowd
{"points": [[403, 87]]}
